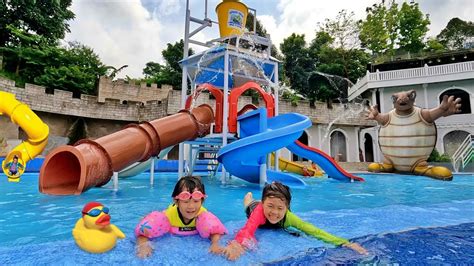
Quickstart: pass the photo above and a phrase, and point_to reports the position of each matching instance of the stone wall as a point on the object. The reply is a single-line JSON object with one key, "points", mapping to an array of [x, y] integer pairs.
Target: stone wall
{"points": [[125, 92], [340, 114], [112, 111], [62, 102], [60, 110]]}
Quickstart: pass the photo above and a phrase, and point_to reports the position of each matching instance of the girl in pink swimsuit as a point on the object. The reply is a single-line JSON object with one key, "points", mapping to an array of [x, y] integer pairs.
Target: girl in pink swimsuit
{"points": [[273, 212], [186, 216]]}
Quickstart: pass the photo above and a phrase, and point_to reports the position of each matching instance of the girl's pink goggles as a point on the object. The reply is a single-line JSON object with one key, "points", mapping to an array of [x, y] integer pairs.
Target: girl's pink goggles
{"points": [[185, 195]]}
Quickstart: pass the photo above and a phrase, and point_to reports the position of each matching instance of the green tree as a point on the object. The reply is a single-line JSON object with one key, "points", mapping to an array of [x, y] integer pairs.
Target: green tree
{"points": [[76, 69], [338, 59], [170, 72], [455, 33], [433, 45], [388, 27], [298, 63], [374, 30], [340, 55], [343, 30], [413, 28], [260, 31], [47, 18]]}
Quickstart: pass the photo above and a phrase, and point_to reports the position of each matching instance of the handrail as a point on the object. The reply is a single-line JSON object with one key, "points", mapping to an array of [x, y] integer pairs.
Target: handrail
{"points": [[463, 153], [402, 74]]}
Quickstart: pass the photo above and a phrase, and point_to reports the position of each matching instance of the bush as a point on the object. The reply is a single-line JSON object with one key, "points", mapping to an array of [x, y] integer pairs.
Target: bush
{"points": [[440, 158]]}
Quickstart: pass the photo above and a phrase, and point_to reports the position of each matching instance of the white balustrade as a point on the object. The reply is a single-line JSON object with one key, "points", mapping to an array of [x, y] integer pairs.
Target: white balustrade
{"points": [[413, 73]]}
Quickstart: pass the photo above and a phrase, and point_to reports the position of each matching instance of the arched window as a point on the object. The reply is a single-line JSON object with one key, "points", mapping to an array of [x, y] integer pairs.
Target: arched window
{"points": [[465, 99], [338, 146], [369, 148], [173, 154], [303, 139], [452, 140]]}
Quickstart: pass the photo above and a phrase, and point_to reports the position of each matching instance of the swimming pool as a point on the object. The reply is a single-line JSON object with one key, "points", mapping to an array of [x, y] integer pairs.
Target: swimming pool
{"points": [[36, 228]]}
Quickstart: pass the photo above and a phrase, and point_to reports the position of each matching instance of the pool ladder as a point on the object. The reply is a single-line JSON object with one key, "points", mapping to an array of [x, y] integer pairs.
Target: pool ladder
{"points": [[464, 154]]}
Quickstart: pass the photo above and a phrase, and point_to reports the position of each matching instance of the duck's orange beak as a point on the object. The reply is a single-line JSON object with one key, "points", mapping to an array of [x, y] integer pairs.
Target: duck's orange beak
{"points": [[103, 220]]}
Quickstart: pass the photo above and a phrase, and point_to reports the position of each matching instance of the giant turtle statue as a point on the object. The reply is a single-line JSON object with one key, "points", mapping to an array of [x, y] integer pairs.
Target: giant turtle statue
{"points": [[407, 135]]}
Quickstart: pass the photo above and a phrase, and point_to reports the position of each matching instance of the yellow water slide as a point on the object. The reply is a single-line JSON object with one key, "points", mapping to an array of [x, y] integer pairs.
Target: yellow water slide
{"points": [[35, 129], [296, 168]]}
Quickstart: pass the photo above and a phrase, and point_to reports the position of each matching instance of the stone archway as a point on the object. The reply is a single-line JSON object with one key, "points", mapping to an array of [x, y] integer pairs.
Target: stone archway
{"points": [[452, 140], [369, 148], [338, 147], [303, 139]]}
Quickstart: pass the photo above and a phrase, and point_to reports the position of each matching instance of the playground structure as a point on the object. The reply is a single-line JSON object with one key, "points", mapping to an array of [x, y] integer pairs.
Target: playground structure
{"points": [[35, 129], [242, 139], [227, 69]]}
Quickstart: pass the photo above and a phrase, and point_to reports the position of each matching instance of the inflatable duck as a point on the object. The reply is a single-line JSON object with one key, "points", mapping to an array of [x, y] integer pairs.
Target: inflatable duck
{"points": [[407, 135], [94, 232]]}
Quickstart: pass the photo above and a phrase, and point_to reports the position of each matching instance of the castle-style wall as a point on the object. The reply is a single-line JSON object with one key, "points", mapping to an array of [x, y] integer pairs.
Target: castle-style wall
{"points": [[62, 102], [125, 92], [340, 114], [60, 110]]}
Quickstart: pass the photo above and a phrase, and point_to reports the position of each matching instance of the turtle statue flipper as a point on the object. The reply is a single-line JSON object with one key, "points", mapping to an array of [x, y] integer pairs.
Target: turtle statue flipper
{"points": [[436, 172], [381, 167]]}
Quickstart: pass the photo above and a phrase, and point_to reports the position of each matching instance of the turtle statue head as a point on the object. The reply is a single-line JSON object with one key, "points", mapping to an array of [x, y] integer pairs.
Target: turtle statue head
{"points": [[404, 101]]}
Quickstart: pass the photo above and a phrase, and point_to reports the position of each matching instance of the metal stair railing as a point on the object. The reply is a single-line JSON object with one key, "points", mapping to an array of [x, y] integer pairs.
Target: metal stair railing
{"points": [[463, 155]]}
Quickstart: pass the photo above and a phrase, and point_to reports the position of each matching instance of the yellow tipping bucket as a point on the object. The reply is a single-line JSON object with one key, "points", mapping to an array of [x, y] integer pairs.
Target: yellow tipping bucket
{"points": [[232, 16]]}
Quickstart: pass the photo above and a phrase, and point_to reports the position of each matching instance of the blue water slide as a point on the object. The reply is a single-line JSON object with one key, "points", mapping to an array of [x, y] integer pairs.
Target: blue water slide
{"points": [[260, 136], [332, 169]]}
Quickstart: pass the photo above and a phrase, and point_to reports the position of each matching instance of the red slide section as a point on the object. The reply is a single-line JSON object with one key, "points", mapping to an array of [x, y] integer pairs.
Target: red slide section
{"points": [[90, 163]]}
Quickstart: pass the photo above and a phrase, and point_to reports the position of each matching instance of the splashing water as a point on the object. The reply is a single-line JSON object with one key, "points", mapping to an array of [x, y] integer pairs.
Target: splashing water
{"points": [[340, 85]]}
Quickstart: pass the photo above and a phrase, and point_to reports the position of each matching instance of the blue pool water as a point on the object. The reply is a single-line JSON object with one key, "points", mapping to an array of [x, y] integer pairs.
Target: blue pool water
{"points": [[36, 228]]}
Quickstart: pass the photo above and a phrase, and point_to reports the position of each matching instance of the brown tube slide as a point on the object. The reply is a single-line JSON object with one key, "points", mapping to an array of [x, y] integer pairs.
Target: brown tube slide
{"points": [[90, 163]]}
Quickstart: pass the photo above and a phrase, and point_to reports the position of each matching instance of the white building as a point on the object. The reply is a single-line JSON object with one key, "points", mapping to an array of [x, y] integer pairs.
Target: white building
{"points": [[432, 78]]}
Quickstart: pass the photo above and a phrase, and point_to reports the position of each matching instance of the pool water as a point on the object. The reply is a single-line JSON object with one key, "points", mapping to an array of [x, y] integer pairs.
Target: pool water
{"points": [[36, 228]]}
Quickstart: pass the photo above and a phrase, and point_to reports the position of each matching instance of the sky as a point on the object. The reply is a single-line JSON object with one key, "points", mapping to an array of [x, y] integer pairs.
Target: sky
{"points": [[134, 32]]}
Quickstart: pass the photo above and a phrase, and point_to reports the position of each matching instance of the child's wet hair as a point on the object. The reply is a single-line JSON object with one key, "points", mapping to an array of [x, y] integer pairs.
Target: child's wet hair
{"points": [[190, 183], [277, 190]]}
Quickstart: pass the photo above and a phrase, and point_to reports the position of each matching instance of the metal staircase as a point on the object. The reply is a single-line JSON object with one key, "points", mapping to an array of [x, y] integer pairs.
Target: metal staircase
{"points": [[464, 154], [203, 155]]}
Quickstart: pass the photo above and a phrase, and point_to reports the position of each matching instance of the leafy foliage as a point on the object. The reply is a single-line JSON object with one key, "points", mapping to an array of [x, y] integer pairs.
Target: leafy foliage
{"points": [[47, 18], [343, 30], [170, 72], [413, 27], [456, 33], [436, 157], [387, 28], [298, 63], [433, 45], [260, 31], [374, 33], [74, 68], [324, 69]]}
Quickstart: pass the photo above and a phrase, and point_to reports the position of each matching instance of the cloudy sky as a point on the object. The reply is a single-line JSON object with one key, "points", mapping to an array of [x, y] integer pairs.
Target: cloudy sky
{"points": [[134, 32]]}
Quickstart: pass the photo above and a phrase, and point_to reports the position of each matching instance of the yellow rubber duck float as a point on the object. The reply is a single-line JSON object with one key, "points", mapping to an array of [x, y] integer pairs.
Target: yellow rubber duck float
{"points": [[93, 232]]}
